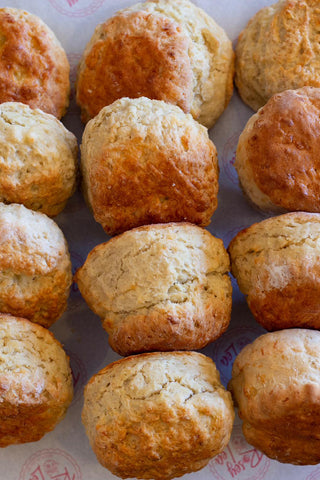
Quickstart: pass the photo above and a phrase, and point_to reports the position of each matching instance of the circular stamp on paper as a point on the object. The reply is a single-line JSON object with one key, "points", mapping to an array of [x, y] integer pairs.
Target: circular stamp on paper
{"points": [[227, 347], [51, 464], [315, 475], [229, 156], [76, 8], [239, 460], [79, 374]]}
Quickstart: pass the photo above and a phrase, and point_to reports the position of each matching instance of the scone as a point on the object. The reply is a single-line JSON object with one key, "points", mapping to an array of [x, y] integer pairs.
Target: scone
{"points": [[277, 265], [38, 161], [145, 161], [34, 68], [35, 267], [277, 157], [159, 287], [275, 384], [35, 381], [166, 50], [157, 415], [278, 50]]}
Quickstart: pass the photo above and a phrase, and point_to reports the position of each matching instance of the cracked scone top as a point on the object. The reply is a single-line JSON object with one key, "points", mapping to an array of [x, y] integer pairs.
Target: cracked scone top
{"points": [[38, 162], [159, 287], [275, 385], [34, 68], [35, 381], [277, 265], [278, 50], [157, 415], [167, 50], [35, 267], [145, 161]]}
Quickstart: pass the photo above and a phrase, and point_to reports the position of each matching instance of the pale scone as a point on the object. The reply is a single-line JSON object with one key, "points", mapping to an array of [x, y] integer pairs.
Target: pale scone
{"points": [[145, 161], [35, 381], [38, 161], [277, 157], [166, 50], [278, 50], [157, 415], [34, 68], [159, 287], [35, 267], [275, 384], [277, 265]]}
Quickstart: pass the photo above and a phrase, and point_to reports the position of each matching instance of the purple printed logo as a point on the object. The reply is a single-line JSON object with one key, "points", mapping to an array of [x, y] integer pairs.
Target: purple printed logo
{"points": [[76, 8], [51, 464]]}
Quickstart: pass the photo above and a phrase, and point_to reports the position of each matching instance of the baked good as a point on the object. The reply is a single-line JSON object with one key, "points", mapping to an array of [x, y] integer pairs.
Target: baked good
{"points": [[36, 383], [38, 161], [157, 415], [34, 68], [277, 265], [145, 161], [35, 267], [275, 384], [166, 50], [277, 157], [159, 287], [278, 50]]}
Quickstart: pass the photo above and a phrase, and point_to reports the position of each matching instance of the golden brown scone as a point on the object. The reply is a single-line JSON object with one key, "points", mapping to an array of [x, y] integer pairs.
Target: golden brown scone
{"points": [[278, 50], [277, 158], [34, 68], [38, 161], [167, 50], [159, 287], [275, 384], [145, 161], [157, 415], [35, 381], [35, 267], [277, 265]]}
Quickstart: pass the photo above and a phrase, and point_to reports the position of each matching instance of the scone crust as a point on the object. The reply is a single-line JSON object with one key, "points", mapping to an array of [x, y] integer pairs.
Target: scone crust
{"points": [[38, 162], [275, 384], [144, 161], [187, 60], [276, 264], [35, 266], [278, 50], [159, 287], [157, 415], [35, 381], [277, 157], [39, 68]]}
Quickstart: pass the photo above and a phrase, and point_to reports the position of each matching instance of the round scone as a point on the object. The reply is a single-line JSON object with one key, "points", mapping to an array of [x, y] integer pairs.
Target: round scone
{"points": [[159, 287], [145, 161], [157, 415], [277, 265], [35, 267], [38, 161], [275, 384], [34, 68], [277, 158], [278, 50], [166, 50], [35, 381]]}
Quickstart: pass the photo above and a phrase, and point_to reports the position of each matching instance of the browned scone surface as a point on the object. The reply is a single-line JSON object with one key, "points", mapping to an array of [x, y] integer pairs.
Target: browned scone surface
{"points": [[278, 50], [35, 381], [146, 56], [277, 265], [34, 68], [278, 153], [158, 415], [159, 287], [145, 161], [35, 267], [275, 384]]}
